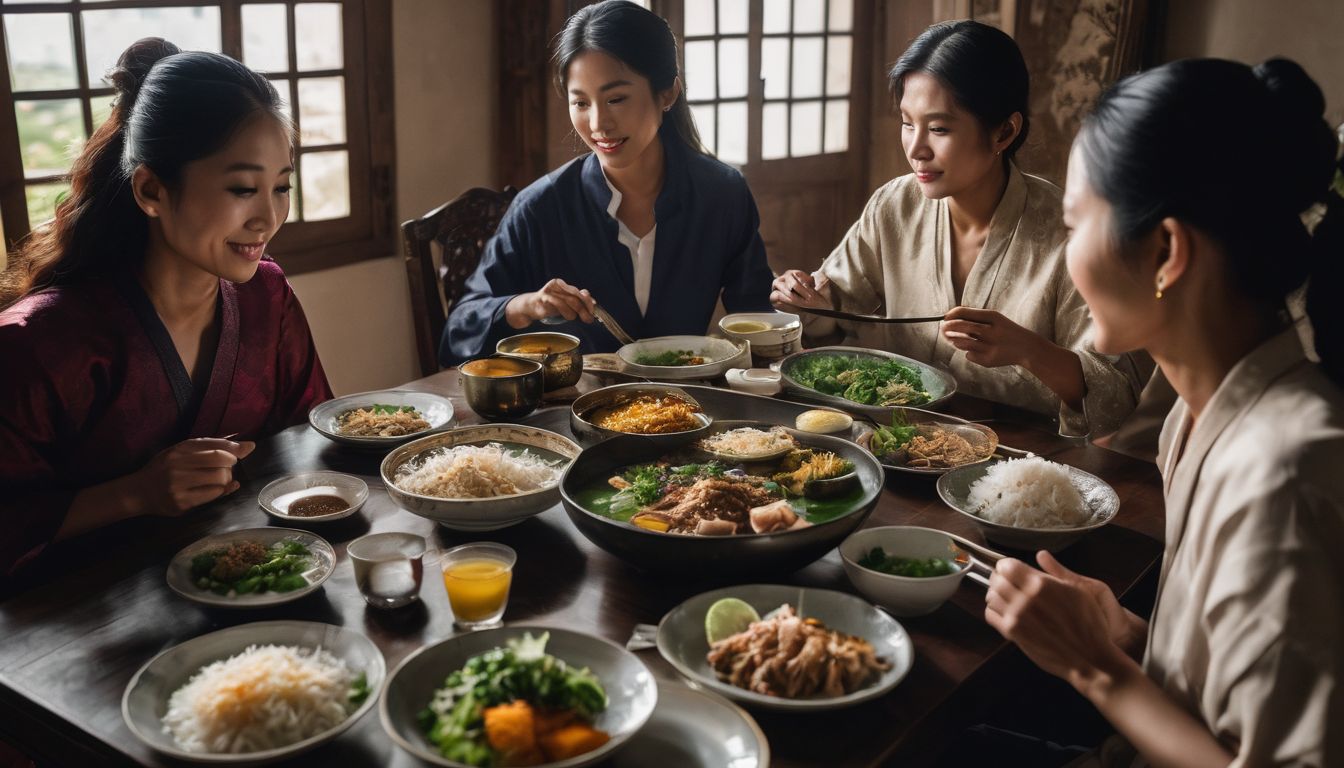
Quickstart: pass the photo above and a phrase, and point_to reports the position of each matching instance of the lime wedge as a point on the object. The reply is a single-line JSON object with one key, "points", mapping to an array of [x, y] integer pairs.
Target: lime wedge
{"points": [[727, 617]]}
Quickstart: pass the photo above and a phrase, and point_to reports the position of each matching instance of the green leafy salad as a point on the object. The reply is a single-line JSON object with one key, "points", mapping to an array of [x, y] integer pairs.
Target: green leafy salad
{"points": [[916, 567], [861, 380], [672, 357], [455, 720], [247, 567]]}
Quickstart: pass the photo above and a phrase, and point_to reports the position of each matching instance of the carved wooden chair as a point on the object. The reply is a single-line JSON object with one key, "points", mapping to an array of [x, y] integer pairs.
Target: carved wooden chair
{"points": [[441, 250]]}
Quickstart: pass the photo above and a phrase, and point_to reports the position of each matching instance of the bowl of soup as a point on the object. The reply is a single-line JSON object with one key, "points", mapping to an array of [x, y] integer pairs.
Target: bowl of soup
{"points": [[502, 386], [773, 335], [558, 353]]}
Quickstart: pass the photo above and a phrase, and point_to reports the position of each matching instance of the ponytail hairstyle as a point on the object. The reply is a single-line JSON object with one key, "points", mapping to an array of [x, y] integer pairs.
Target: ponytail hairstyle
{"points": [[980, 65], [641, 40], [171, 108]]}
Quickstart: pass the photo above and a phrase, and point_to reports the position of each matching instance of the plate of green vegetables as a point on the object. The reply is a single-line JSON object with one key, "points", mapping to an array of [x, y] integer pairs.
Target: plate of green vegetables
{"points": [[251, 567], [868, 382], [682, 358]]}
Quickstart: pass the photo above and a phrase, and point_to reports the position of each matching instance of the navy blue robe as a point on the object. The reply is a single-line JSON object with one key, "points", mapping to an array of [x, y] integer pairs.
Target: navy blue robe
{"points": [[707, 244]]}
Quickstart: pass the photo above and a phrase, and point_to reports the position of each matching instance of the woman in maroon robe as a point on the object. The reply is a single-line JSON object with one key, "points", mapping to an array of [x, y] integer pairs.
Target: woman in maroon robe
{"points": [[144, 330]]}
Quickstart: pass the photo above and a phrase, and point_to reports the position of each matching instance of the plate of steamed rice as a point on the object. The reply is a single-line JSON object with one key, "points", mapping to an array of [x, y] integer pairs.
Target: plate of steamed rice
{"points": [[254, 693], [1030, 503]]}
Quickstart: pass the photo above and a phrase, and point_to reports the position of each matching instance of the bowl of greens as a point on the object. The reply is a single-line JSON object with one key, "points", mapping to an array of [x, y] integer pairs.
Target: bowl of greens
{"points": [[867, 382], [908, 570], [251, 567], [517, 695], [682, 358]]}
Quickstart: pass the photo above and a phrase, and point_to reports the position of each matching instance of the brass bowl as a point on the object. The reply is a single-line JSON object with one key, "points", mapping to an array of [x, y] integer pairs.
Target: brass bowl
{"points": [[561, 361], [501, 386]]}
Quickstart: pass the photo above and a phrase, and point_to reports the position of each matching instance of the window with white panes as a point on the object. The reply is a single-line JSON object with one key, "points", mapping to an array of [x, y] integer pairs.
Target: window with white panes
{"points": [[57, 52]]}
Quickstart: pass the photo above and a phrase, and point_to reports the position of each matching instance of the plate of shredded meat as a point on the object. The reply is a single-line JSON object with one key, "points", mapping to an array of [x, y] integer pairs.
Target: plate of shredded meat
{"points": [[381, 419], [812, 649]]}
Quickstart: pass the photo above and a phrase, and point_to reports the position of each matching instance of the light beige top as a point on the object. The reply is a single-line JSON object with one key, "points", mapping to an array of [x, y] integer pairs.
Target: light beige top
{"points": [[896, 260], [1248, 629]]}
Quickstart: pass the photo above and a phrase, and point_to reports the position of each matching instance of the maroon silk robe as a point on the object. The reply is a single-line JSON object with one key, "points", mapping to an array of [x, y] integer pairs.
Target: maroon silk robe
{"points": [[93, 388]]}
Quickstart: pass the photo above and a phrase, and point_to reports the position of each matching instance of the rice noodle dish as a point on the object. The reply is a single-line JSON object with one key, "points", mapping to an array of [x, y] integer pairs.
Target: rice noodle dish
{"points": [[477, 472], [266, 697], [380, 420], [749, 442], [1029, 493]]}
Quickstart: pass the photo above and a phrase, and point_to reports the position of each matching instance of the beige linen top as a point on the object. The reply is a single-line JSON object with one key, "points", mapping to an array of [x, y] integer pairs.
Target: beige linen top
{"points": [[1248, 629], [895, 260]]}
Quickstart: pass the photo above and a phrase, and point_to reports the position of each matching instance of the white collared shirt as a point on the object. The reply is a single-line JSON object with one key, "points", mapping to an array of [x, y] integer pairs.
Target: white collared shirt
{"points": [[641, 249]]}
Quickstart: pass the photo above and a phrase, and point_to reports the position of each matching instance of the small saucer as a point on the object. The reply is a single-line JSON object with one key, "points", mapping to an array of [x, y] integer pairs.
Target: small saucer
{"points": [[277, 497]]}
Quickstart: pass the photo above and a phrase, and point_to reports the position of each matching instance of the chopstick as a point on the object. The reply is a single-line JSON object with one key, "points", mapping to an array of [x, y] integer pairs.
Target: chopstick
{"points": [[862, 318]]}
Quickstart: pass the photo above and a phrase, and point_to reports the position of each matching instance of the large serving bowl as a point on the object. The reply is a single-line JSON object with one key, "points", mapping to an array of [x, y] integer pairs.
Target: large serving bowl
{"points": [[589, 433], [502, 386], [740, 554], [487, 514], [781, 335], [954, 488], [558, 353], [903, 595], [435, 409], [939, 383], [145, 701], [722, 354], [630, 687]]}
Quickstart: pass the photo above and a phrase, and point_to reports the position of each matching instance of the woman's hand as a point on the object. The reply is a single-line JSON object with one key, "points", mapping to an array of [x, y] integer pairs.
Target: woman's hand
{"points": [[1069, 625], [988, 338], [186, 475], [801, 289], [555, 299]]}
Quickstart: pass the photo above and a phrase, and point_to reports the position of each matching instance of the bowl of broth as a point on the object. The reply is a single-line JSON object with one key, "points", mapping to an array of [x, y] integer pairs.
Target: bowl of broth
{"points": [[502, 386], [558, 353], [773, 335]]}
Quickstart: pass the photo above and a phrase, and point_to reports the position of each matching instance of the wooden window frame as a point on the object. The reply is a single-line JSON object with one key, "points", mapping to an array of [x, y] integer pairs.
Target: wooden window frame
{"points": [[302, 246]]}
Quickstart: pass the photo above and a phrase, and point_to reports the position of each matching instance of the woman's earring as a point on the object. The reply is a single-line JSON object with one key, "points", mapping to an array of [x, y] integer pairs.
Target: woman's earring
{"points": [[667, 108], [1159, 286]]}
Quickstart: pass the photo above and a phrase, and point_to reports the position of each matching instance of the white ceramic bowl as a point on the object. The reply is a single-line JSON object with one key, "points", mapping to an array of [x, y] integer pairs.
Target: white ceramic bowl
{"points": [[783, 336], [902, 595], [721, 353], [278, 495]]}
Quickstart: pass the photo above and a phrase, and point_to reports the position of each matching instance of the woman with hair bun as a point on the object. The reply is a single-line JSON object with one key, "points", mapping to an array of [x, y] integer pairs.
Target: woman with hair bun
{"points": [[1185, 190], [586, 232], [144, 328], [970, 237]]}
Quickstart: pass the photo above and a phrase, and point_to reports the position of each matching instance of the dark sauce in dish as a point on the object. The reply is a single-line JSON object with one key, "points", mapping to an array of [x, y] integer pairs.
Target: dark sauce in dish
{"points": [[317, 505]]}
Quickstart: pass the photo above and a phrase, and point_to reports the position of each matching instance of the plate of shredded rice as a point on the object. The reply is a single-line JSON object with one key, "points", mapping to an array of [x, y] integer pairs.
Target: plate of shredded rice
{"points": [[254, 693], [381, 419], [1030, 503], [479, 478]]}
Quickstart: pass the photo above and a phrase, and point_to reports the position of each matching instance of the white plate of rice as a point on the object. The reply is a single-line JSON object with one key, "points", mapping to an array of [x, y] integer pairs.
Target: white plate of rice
{"points": [[254, 693], [1030, 503]]}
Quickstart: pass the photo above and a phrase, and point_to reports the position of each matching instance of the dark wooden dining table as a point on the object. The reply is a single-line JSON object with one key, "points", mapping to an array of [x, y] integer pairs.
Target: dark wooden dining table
{"points": [[77, 626]]}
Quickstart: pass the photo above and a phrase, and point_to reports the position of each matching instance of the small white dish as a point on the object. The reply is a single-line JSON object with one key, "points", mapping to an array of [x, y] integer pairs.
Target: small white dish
{"points": [[279, 495], [754, 381], [903, 595], [322, 555]]}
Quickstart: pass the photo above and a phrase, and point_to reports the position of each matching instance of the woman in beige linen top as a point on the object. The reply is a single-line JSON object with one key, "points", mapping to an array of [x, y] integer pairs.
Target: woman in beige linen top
{"points": [[970, 233], [1185, 241]]}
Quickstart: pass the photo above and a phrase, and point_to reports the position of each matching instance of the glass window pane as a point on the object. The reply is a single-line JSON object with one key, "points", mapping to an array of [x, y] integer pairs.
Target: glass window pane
{"points": [[807, 66], [108, 33], [43, 199], [774, 131], [837, 65], [805, 129], [733, 132], [282, 87], [320, 46], [809, 15], [775, 67], [699, 17], [326, 185], [704, 122], [41, 51], [733, 68], [700, 79], [733, 17], [322, 110], [51, 132], [101, 107], [841, 16], [776, 19], [266, 38], [837, 126]]}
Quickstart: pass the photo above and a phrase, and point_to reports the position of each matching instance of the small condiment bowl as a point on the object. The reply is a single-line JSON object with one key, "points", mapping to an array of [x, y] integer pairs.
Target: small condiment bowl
{"points": [[561, 361], [280, 495], [502, 386], [903, 595], [781, 336]]}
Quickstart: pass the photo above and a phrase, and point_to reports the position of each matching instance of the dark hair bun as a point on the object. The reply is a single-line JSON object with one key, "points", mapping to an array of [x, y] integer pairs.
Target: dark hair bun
{"points": [[1303, 142], [135, 63]]}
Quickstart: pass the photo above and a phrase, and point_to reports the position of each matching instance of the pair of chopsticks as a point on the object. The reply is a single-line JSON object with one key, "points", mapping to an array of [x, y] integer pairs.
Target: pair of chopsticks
{"points": [[837, 314], [980, 569]]}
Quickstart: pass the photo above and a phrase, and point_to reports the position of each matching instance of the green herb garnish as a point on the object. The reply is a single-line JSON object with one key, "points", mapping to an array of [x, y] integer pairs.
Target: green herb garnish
{"points": [[914, 567]]}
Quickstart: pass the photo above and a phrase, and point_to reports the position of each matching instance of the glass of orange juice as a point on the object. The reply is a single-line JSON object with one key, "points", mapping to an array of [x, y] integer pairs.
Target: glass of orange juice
{"points": [[477, 577]]}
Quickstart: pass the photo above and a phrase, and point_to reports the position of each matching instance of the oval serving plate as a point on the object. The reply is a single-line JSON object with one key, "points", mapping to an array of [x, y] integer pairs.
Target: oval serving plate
{"points": [[977, 434], [179, 568], [435, 409], [938, 383]]}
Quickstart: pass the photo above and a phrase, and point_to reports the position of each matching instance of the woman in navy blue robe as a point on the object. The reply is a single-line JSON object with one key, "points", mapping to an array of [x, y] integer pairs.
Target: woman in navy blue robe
{"points": [[586, 232]]}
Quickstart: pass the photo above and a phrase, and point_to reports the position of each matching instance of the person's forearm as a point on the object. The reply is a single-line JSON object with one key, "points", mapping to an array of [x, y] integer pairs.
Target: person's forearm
{"points": [[1060, 370], [1163, 732], [98, 506]]}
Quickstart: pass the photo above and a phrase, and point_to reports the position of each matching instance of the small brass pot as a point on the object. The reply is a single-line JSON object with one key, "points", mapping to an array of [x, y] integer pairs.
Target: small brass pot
{"points": [[501, 386], [558, 353]]}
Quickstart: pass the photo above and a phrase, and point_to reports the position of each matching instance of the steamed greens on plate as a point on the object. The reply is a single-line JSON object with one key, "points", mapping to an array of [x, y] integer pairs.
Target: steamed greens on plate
{"points": [[862, 380], [515, 705]]}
